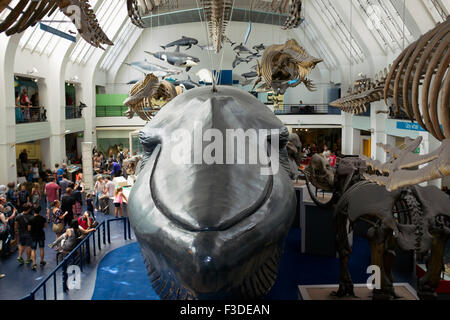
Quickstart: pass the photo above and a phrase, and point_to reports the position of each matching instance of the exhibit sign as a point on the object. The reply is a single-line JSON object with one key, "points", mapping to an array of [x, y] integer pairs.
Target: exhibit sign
{"points": [[57, 32], [409, 126]]}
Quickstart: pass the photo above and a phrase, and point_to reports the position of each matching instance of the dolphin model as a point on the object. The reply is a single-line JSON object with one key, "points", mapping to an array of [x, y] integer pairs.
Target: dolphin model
{"points": [[211, 231], [183, 42], [238, 60], [229, 41], [241, 49], [260, 47], [249, 75], [188, 84], [207, 47], [176, 58]]}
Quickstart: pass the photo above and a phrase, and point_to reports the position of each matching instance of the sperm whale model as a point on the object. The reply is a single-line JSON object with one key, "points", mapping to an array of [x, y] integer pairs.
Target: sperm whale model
{"points": [[211, 231]]}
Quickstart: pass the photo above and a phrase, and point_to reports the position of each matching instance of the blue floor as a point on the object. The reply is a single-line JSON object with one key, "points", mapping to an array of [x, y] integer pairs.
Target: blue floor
{"points": [[20, 279], [121, 274]]}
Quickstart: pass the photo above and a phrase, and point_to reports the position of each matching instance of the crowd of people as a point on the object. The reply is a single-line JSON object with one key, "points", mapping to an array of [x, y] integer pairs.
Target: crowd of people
{"points": [[23, 221], [24, 105], [329, 155]]}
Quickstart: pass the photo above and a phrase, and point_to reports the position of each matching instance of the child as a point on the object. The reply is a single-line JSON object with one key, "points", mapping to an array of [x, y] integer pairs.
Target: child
{"points": [[333, 160], [119, 197], [35, 196], [36, 228]]}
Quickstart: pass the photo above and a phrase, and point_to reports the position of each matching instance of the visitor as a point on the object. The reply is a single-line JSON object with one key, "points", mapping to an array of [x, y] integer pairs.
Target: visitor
{"points": [[333, 160], [23, 156], [65, 183], [5, 230], [12, 195], [35, 99], [77, 196], [23, 197], [67, 203], [119, 198], [36, 196], [57, 218], [90, 203], [314, 149], [99, 189], [116, 170], [79, 177], [68, 240], [120, 157], [36, 228], [19, 114], [52, 193], [35, 172], [86, 223], [110, 187], [326, 153], [3, 190], [10, 213], [22, 222], [60, 172]]}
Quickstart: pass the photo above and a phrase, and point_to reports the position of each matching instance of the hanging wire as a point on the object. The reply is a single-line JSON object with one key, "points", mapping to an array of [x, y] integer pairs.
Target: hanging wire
{"points": [[404, 22], [351, 38]]}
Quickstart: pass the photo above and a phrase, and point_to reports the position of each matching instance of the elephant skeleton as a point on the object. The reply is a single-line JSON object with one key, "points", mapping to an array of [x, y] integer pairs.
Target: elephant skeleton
{"points": [[409, 217], [27, 13]]}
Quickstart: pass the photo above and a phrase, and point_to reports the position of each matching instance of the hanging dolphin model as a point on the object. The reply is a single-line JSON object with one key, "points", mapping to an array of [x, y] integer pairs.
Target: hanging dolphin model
{"points": [[188, 84], [252, 74], [176, 58], [183, 42], [211, 231], [238, 60], [241, 49], [260, 47]]}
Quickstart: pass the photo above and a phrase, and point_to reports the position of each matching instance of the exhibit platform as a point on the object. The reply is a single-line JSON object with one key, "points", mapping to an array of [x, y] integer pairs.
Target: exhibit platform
{"points": [[323, 292], [444, 284]]}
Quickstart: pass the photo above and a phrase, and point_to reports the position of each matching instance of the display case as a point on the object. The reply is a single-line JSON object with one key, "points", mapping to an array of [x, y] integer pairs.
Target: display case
{"points": [[136, 147]]}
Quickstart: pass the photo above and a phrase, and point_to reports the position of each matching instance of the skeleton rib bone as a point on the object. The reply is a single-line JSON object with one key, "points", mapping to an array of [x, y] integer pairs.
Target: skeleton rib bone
{"points": [[28, 13]]}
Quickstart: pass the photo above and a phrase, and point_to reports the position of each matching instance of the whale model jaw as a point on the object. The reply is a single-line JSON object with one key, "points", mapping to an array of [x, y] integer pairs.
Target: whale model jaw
{"points": [[224, 243]]}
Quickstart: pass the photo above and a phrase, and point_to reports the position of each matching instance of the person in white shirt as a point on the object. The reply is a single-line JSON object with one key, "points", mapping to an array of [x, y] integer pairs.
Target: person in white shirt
{"points": [[326, 153]]}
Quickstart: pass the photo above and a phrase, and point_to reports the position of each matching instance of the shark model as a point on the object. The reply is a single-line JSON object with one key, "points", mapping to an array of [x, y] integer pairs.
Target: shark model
{"points": [[188, 84], [183, 42], [259, 48], [176, 58], [147, 67]]}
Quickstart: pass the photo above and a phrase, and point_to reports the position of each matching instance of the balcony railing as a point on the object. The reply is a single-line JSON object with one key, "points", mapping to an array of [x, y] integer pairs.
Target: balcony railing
{"points": [[110, 111], [73, 112], [296, 109], [30, 114]]}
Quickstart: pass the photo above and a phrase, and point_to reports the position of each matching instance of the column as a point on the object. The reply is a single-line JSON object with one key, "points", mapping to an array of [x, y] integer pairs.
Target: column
{"points": [[8, 169], [347, 134], [378, 126]]}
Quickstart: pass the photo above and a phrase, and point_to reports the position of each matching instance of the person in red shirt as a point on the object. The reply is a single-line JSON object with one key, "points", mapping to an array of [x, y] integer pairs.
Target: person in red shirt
{"points": [[52, 192], [333, 160], [85, 224]]}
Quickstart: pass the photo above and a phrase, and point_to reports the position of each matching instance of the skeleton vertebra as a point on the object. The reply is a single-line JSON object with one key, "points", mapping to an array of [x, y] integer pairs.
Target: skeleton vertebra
{"points": [[139, 8], [294, 17], [364, 93], [34, 11], [142, 93], [217, 15], [284, 66], [425, 60]]}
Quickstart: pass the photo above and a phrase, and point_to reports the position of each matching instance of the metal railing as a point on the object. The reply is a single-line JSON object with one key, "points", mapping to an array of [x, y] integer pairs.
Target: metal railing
{"points": [[306, 109], [110, 111], [30, 114], [80, 255], [73, 112]]}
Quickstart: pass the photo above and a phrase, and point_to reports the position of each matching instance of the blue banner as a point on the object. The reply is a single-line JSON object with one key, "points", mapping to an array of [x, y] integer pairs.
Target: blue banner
{"points": [[57, 32]]}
